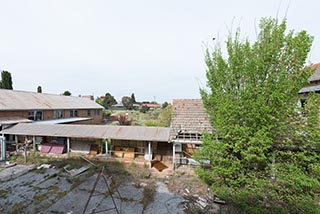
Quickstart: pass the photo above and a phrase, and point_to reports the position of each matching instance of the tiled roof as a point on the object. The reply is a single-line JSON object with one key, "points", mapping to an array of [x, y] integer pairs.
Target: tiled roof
{"points": [[22, 100], [316, 75], [189, 116]]}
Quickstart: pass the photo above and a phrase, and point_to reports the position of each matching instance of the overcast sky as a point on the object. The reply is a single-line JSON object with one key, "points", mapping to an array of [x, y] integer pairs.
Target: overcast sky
{"points": [[154, 49]]}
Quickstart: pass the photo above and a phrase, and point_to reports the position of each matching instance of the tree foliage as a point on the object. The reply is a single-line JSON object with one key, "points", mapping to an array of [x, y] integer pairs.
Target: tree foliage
{"points": [[39, 89], [265, 157], [109, 101], [66, 93], [144, 109], [162, 117], [133, 98], [165, 104], [127, 102], [6, 80]]}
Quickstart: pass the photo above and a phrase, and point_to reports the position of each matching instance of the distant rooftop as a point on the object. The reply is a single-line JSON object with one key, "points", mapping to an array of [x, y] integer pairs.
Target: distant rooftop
{"points": [[22, 100], [312, 79]]}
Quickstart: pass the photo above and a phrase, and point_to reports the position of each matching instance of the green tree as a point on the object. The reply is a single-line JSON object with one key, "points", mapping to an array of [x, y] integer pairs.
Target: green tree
{"points": [[127, 102], [109, 101], [265, 159], [165, 116], [165, 104], [144, 109], [133, 98], [39, 89], [66, 93], [6, 80]]}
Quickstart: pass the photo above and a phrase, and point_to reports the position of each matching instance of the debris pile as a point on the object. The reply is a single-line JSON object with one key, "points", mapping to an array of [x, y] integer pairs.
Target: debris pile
{"points": [[207, 203]]}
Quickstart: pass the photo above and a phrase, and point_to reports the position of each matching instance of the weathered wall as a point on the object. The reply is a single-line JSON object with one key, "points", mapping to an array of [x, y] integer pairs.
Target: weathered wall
{"points": [[96, 115]]}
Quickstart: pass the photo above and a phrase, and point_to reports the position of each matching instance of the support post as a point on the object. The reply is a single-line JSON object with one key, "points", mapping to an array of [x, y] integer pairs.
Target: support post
{"points": [[107, 149], [16, 139], [34, 143], [68, 147], [25, 150], [174, 155], [149, 151]]}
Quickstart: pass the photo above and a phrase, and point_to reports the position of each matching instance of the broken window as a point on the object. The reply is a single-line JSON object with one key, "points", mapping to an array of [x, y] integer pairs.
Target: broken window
{"points": [[74, 113], [58, 114], [35, 115]]}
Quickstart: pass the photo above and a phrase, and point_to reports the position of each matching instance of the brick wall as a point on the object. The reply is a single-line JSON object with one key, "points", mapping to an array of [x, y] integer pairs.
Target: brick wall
{"points": [[95, 114]]}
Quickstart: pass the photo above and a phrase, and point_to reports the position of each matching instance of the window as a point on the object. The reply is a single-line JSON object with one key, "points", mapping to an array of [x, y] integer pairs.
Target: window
{"points": [[89, 112], [97, 112], [74, 113], [58, 114], [35, 115]]}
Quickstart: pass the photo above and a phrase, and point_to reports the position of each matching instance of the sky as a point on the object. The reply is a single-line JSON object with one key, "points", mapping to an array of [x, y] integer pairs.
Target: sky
{"points": [[154, 49]]}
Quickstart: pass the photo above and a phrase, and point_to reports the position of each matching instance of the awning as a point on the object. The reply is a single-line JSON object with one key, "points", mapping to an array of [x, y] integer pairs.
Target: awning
{"points": [[139, 133], [13, 120]]}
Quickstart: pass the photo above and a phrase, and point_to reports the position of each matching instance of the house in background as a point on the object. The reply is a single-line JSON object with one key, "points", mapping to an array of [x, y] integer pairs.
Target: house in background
{"points": [[189, 121], [150, 106], [314, 83], [123, 142], [37, 126], [49, 107]]}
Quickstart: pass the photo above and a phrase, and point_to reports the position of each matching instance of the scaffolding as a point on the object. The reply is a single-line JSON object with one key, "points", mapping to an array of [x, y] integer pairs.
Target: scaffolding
{"points": [[106, 194]]}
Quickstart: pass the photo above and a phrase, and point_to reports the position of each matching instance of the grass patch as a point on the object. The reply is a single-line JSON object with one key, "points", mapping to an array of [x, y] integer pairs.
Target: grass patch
{"points": [[3, 193], [148, 195], [38, 198], [18, 208], [139, 171]]}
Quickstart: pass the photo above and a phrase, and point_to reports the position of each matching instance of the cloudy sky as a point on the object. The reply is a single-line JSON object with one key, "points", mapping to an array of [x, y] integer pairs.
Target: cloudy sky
{"points": [[154, 49]]}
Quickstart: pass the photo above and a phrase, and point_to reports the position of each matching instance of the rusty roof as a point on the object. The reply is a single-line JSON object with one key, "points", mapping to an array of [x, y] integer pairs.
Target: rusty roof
{"points": [[140, 133], [189, 116], [22, 100]]}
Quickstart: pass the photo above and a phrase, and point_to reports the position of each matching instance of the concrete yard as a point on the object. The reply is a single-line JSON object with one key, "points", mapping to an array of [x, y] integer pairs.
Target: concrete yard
{"points": [[26, 189]]}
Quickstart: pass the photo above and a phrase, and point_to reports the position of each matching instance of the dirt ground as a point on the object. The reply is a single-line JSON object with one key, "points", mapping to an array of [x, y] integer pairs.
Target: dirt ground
{"points": [[118, 189]]}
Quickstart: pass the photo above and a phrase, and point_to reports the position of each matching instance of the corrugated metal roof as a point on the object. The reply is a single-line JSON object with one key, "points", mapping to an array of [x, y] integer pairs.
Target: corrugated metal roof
{"points": [[309, 89], [22, 100], [13, 120], [62, 120], [141, 133], [189, 116]]}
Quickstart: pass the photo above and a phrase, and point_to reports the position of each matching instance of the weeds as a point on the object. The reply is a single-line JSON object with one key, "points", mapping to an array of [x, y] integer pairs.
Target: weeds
{"points": [[148, 195]]}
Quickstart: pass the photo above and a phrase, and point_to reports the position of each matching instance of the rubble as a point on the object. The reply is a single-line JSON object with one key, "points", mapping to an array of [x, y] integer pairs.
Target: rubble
{"points": [[75, 172], [44, 166]]}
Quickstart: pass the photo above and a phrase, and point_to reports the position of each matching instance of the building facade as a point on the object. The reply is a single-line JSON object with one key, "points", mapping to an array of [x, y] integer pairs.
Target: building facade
{"points": [[39, 107]]}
